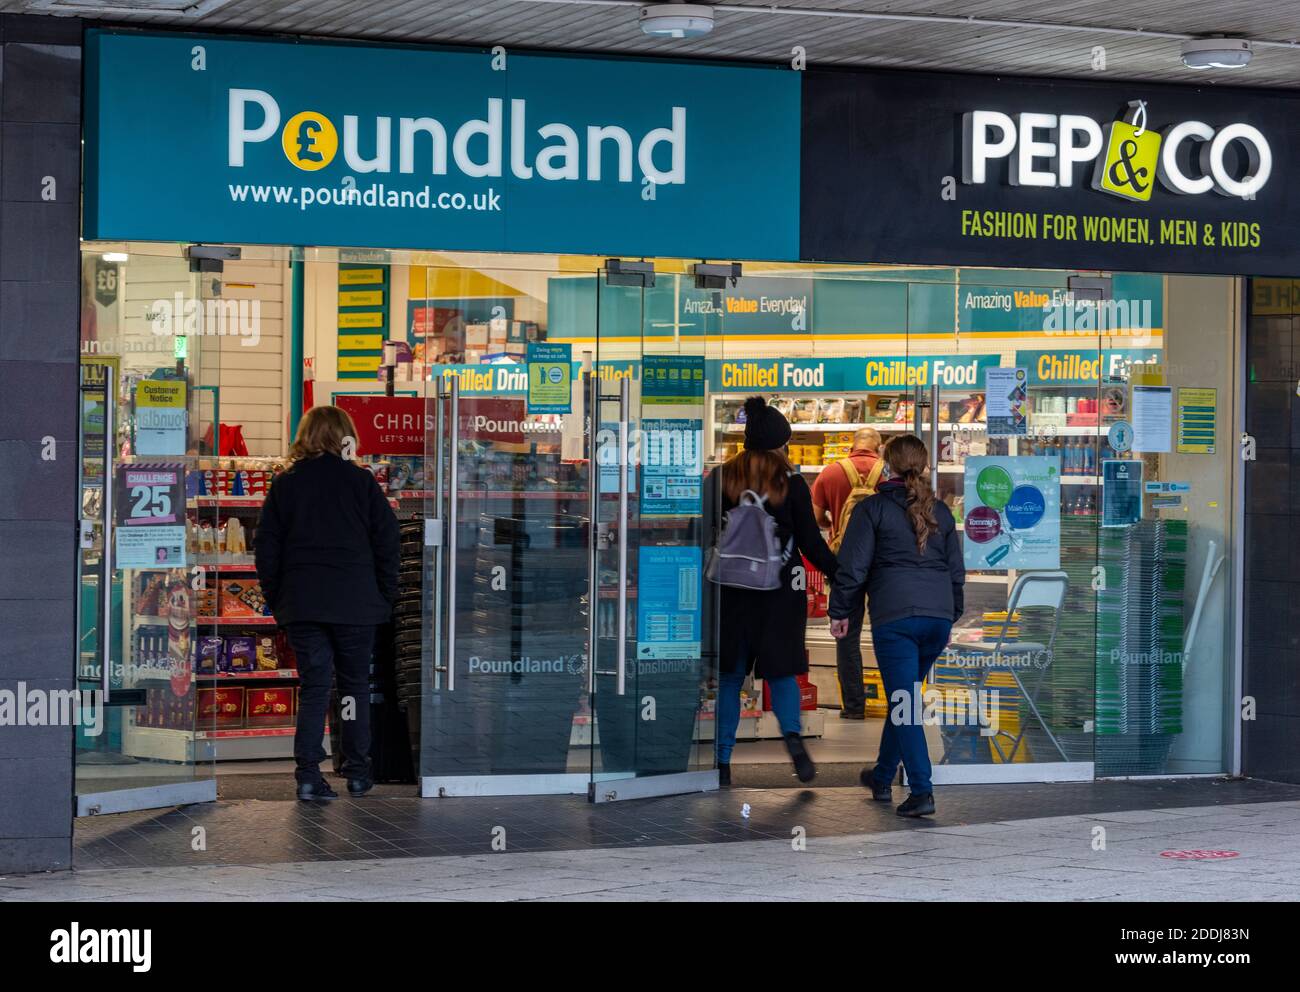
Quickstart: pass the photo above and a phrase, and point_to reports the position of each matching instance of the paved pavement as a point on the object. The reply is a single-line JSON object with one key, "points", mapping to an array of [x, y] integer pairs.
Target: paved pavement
{"points": [[1100, 856], [404, 826]]}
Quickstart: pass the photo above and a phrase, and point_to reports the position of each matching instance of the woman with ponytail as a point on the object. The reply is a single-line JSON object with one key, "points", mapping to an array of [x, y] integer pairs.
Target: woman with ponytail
{"points": [[902, 552]]}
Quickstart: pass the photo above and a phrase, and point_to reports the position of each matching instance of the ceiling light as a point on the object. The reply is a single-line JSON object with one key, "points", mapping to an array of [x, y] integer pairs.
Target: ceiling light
{"points": [[1216, 53], [676, 20], [115, 256]]}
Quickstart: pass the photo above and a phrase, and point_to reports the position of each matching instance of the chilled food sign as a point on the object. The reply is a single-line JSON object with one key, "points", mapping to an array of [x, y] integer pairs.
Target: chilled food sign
{"points": [[1086, 366], [856, 374]]}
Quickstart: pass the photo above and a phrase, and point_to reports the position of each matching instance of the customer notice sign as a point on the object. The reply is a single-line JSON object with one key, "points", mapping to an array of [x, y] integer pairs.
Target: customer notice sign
{"points": [[924, 167]]}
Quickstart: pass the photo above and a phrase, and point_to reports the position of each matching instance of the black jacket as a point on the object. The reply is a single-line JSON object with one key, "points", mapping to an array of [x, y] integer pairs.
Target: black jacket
{"points": [[879, 558], [764, 630], [327, 545]]}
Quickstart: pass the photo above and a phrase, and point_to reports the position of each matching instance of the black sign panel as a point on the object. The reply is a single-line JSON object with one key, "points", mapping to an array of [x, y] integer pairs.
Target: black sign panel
{"points": [[983, 170], [106, 276]]}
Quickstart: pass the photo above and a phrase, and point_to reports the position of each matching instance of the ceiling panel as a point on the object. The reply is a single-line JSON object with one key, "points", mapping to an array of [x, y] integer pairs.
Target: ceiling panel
{"points": [[767, 31]]}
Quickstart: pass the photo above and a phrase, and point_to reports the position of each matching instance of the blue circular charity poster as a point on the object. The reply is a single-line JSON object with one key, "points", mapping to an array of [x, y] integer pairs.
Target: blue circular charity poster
{"points": [[1025, 508]]}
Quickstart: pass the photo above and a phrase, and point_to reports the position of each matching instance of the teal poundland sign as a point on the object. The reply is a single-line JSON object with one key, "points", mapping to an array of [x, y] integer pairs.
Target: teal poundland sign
{"points": [[193, 138]]}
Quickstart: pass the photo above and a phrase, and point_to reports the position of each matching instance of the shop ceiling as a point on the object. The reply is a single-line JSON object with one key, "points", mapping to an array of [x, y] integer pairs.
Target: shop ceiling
{"points": [[1140, 38]]}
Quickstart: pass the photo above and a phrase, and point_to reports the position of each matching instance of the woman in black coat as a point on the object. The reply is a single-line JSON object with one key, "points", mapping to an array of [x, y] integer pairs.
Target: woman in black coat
{"points": [[327, 550], [763, 630]]}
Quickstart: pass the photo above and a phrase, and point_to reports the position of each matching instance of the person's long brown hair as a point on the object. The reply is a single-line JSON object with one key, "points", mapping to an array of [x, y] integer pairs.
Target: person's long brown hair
{"points": [[323, 429], [765, 472], [909, 460]]}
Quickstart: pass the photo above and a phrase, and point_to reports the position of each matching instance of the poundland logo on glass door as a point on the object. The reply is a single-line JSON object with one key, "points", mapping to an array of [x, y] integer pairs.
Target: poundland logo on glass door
{"points": [[273, 142]]}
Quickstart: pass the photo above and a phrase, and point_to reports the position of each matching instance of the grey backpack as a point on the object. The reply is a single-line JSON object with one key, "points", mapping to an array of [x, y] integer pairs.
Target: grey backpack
{"points": [[748, 553]]}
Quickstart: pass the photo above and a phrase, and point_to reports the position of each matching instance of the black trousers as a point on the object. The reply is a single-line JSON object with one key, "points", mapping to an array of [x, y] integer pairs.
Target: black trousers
{"points": [[342, 652], [848, 662]]}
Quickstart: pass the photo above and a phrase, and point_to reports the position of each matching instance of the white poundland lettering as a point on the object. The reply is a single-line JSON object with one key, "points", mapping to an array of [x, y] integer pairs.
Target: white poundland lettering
{"points": [[77, 946], [478, 146]]}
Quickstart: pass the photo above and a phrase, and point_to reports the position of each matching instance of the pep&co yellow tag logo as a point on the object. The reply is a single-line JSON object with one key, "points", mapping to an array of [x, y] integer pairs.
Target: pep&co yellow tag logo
{"points": [[1132, 158]]}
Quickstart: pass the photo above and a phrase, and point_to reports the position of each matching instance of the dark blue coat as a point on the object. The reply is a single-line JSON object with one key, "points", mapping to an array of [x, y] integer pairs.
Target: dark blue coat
{"points": [[879, 558]]}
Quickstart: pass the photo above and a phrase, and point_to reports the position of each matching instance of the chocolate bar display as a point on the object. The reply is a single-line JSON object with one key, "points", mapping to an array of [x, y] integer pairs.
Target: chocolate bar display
{"points": [[240, 654]]}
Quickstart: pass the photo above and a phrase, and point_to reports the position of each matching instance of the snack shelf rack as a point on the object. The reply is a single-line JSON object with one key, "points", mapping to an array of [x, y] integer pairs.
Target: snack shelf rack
{"points": [[540, 494], [224, 502], [186, 747], [882, 426], [754, 725], [278, 673]]}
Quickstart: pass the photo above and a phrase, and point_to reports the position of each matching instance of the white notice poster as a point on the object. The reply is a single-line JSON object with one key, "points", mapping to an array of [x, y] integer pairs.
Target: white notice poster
{"points": [[1153, 412]]}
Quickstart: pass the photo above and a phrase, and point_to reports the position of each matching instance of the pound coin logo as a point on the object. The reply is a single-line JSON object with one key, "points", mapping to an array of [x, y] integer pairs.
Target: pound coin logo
{"points": [[310, 140]]}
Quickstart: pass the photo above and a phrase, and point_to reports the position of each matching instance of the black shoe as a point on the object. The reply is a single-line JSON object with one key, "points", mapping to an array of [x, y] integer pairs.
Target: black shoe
{"points": [[848, 715], [880, 793], [918, 804], [724, 775], [358, 787], [312, 791], [804, 769]]}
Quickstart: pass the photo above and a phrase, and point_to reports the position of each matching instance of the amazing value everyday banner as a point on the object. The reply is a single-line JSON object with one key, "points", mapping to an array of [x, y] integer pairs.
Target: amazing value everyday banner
{"points": [[1051, 173], [202, 138]]}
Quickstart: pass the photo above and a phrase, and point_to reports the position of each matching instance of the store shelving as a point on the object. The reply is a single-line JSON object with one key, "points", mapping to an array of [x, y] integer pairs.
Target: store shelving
{"points": [[234, 568], [531, 494], [225, 502], [193, 747], [277, 673], [884, 426], [754, 725]]}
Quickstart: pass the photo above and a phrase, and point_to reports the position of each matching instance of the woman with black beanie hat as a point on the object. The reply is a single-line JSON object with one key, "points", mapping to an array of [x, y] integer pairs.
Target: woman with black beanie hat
{"points": [[763, 630]]}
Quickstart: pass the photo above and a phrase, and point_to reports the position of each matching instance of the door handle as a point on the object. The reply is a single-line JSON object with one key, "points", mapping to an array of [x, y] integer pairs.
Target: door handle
{"points": [[106, 557], [453, 510], [593, 514], [624, 393], [934, 438], [437, 526]]}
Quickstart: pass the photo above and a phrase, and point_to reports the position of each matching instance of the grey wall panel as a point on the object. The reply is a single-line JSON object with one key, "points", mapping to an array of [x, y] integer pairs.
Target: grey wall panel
{"points": [[40, 120]]}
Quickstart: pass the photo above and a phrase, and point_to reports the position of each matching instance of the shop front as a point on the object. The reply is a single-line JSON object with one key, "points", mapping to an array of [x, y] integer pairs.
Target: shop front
{"points": [[543, 294]]}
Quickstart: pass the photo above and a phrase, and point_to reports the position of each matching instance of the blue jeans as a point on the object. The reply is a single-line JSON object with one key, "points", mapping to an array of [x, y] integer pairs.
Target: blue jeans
{"points": [[785, 704], [905, 650]]}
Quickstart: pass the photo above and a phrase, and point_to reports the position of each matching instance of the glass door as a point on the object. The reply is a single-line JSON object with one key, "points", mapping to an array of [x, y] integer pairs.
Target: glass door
{"points": [[141, 742], [543, 669], [653, 668], [1016, 435], [505, 544]]}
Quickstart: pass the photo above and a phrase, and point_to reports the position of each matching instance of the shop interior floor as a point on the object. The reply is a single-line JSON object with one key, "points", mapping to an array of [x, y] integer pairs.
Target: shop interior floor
{"points": [[841, 741], [252, 832]]}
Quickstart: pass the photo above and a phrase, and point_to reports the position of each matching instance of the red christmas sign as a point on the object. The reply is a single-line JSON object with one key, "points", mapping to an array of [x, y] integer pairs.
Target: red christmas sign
{"points": [[390, 425]]}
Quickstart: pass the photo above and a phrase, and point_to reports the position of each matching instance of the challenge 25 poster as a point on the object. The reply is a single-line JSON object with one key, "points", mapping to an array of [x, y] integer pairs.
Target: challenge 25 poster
{"points": [[1013, 512]]}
